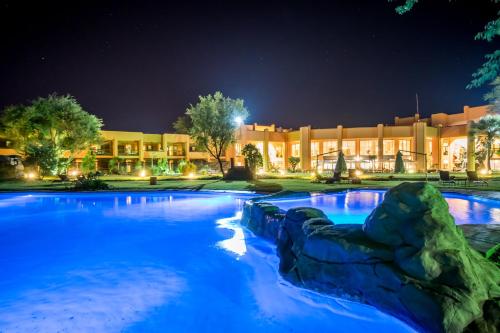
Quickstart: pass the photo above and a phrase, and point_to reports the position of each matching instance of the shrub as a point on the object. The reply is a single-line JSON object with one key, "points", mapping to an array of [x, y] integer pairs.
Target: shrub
{"points": [[252, 155], [293, 161], [90, 184], [186, 167], [89, 163]]}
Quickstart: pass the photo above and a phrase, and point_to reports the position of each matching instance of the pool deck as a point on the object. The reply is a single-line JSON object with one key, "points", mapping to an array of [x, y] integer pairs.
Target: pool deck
{"points": [[481, 237]]}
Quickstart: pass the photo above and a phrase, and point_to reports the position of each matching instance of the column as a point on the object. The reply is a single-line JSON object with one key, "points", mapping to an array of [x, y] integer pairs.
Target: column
{"points": [[265, 147], [380, 142], [471, 149], [305, 148], [141, 150], [419, 146], [115, 148], [339, 137]]}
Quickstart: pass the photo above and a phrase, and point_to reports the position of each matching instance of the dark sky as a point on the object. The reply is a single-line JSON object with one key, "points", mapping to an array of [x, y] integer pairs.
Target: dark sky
{"points": [[139, 64]]}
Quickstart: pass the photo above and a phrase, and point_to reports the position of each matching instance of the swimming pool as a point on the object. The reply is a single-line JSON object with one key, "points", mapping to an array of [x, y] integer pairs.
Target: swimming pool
{"points": [[152, 262], [355, 206]]}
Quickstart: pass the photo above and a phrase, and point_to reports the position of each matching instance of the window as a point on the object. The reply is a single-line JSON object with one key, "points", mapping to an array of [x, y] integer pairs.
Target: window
{"points": [[405, 146], [296, 150], [260, 147], [368, 147], [314, 149], [237, 149], [330, 146], [349, 147], [388, 147]]}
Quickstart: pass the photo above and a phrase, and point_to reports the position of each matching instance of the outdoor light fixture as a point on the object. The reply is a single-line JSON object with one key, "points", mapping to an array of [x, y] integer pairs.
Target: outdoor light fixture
{"points": [[411, 171], [142, 173], [73, 173], [30, 175], [282, 172], [238, 120], [313, 174], [484, 171], [358, 173], [260, 171], [191, 175]]}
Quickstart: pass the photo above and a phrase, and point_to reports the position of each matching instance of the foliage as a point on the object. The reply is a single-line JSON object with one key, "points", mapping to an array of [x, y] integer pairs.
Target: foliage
{"points": [[488, 127], [183, 124], [90, 184], [399, 166], [138, 166], [340, 166], [213, 123], [252, 155], [186, 167], [493, 254], [490, 70], [293, 161], [114, 165], [43, 156], [161, 168], [58, 122], [493, 97], [89, 162]]}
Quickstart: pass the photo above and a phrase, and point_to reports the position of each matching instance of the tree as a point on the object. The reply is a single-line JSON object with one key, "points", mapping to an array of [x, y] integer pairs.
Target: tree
{"points": [[55, 121], [182, 125], [293, 161], [252, 155], [488, 127], [114, 165], [493, 97], [340, 166], [490, 70], [43, 156], [399, 166], [213, 123], [89, 162]]}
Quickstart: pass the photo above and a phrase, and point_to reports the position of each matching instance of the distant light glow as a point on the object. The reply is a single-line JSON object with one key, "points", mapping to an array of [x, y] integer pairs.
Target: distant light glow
{"points": [[73, 173], [238, 120], [31, 175], [358, 173], [142, 173], [484, 171], [260, 171], [282, 172], [191, 175]]}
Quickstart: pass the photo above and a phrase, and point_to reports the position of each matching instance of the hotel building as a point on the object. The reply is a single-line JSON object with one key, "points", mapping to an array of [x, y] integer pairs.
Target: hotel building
{"points": [[437, 142]]}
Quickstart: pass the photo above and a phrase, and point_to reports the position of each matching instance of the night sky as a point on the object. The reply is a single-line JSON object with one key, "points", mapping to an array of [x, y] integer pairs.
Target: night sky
{"points": [[138, 65]]}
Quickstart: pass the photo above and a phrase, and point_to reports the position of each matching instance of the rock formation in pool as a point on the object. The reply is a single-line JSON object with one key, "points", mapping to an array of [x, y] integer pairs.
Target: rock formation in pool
{"points": [[408, 259]]}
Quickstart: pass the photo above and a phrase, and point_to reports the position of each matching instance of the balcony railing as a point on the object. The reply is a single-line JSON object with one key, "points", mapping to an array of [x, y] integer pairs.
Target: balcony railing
{"points": [[127, 153]]}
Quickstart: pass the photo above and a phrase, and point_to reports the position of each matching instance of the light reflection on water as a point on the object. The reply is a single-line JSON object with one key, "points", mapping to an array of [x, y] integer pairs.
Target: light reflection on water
{"points": [[153, 262], [355, 206]]}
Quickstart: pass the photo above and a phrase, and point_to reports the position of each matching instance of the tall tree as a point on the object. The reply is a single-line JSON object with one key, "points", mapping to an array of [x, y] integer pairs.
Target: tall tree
{"points": [[488, 127], [490, 70], [399, 166], [213, 123], [58, 121], [341, 165]]}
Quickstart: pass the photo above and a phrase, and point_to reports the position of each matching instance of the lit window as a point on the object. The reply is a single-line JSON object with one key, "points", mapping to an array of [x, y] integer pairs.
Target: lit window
{"points": [[405, 146], [368, 147], [388, 147], [237, 148], [296, 150], [314, 149], [349, 147], [330, 146]]}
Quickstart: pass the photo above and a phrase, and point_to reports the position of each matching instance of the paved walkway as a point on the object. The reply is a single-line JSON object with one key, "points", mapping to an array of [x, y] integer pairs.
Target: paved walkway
{"points": [[482, 237]]}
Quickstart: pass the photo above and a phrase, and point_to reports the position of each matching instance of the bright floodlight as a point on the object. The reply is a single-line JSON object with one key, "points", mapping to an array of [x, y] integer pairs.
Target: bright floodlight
{"points": [[238, 120]]}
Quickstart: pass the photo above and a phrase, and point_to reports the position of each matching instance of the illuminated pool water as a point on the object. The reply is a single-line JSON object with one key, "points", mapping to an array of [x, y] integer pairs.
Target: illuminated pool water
{"points": [[152, 262], [355, 206]]}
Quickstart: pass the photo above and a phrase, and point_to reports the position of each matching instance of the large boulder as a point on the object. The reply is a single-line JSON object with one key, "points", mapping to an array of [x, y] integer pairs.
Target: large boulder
{"points": [[263, 219], [408, 259]]}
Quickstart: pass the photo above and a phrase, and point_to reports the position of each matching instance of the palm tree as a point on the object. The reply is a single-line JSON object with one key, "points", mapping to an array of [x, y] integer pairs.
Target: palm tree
{"points": [[489, 128]]}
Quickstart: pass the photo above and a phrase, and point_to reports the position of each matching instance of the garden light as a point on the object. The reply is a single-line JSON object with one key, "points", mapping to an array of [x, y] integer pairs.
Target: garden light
{"points": [[282, 172], [142, 173], [73, 173], [484, 171], [358, 173], [191, 175]]}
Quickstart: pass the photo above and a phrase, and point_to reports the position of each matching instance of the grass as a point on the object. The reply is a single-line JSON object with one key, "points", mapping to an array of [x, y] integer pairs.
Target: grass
{"points": [[300, 184]]}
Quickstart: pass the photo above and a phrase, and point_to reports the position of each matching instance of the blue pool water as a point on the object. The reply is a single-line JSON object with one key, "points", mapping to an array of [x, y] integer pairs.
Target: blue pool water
{"points": [[355, 206], [152, 262]]}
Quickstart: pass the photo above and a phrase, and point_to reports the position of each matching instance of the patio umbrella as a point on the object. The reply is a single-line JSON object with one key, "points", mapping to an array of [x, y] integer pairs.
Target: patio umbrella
{"points": [[399, 167], [341, 166]]}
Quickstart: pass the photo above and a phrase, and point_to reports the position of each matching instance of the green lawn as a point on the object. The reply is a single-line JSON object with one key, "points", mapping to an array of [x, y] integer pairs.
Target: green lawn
{"points": [[261, 185]]}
